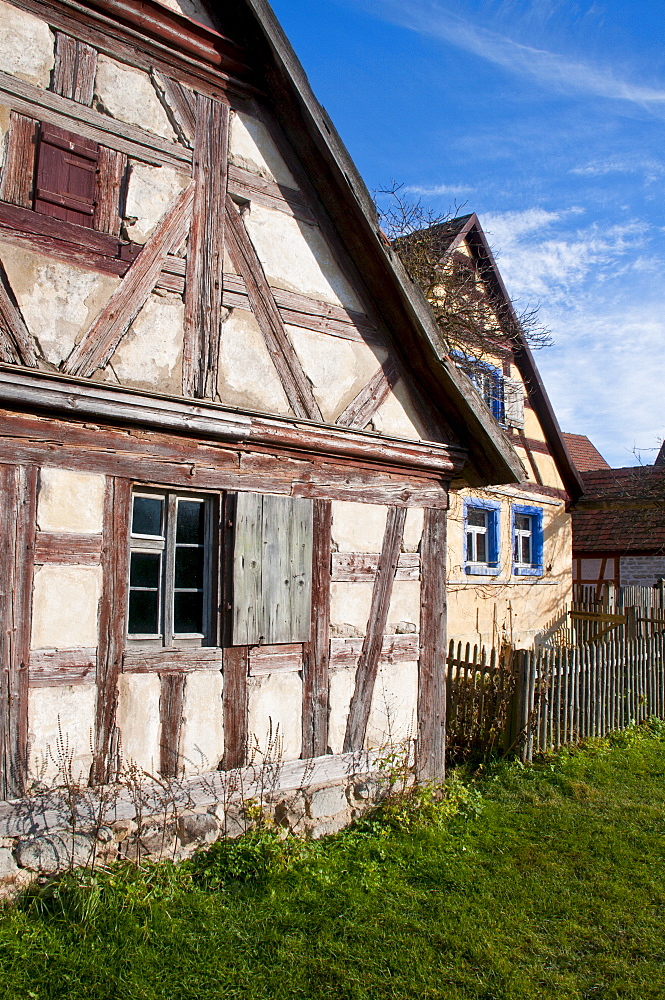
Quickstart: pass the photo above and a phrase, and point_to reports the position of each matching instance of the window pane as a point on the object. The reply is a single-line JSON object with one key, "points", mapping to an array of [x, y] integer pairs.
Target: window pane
{"points": [[147, 519], [516, 553], [476, 517], [523, 522], [191, 522], [470, 553], [481, 548], [145, 567], [189, 568], [143, 612], [526, 549], [188, 613]]}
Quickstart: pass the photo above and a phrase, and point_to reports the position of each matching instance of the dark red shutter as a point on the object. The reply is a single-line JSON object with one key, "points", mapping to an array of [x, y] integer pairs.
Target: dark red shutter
{"points": [[66, 176]]}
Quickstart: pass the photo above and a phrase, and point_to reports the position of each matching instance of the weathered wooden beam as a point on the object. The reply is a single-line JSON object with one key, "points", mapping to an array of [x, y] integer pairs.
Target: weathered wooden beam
{"points": [[17, 175], [316, 659], [111, 168], [205, 252], [112, 619], [162, 660], [368, 663], [394, 649], [62, 667], [267, 659], [246, 184], [18, 511], [431, 743], [171, 708], [68, 548], [360, 567], [136, 142], [179, 104], [17, 345], [234, 702], [96, 347], [74, 70], [296, 385], [360, 410]]}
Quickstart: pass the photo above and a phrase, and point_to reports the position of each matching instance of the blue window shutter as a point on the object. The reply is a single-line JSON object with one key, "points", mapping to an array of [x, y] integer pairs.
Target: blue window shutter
{"points": [[537, 540]]}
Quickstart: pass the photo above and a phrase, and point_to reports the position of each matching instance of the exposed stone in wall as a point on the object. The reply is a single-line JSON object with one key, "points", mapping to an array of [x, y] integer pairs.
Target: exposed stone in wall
{"points": [[397, 416], [138, 719], [358, 527], [413, 529], [26, 46], [338, 369], [247, 376], [58, 301], [202, 736], [70, 501], [61, 721], [251, 147], [350, 604], [150, 192], [295, 256], [275, 714], [127, 94], [641, 571], [149, 356], [64, 606]]}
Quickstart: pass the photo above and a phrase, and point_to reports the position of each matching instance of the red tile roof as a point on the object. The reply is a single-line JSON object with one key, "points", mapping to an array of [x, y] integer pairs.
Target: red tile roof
{"points": [[585, 456], [622, 531]]}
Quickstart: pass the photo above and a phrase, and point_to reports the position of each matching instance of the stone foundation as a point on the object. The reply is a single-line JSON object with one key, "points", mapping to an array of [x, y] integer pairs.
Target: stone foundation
{"points": [[61, 829]]}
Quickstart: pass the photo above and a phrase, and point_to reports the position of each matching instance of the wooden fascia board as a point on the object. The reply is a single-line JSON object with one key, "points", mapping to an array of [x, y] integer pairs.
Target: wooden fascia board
{"points": [[524, 359], [22, 390], [396, 299]]}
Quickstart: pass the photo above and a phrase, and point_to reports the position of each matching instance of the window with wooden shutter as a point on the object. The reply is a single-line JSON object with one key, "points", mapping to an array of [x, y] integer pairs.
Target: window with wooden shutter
{"points": [[514, 402], [66, 177], [272, 570]]}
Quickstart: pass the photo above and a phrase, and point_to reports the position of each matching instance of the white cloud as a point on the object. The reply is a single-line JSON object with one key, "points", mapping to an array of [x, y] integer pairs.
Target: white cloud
{"points": [[438, 190], [552, 70], [651, 170]]}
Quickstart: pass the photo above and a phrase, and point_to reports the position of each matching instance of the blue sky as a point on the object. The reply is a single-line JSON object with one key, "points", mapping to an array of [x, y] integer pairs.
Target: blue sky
{"points": [[547, 118]]}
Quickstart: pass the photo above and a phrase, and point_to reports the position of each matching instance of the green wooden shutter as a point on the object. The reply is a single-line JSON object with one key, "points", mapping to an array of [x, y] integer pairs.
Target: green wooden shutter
{"points": [[272, 570]]}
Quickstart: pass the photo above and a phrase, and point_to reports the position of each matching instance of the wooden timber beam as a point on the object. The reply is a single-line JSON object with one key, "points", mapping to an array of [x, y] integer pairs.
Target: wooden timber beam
{"points": [[171, 709], [204, 283], [360, 410], [18, 170], [431, 744], [316, 654], [18, 513], [296, 385], [112, 620], [179, 104], [96, 347], [368, 664], [74, 70], [17, 345]]}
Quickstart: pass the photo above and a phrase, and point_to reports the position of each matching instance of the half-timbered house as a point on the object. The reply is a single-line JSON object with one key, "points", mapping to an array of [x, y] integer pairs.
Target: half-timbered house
{"points": [[229, 424]]}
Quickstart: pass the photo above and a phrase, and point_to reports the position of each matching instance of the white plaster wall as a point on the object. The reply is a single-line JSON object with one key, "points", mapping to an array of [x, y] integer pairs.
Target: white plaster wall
{"points": [[397, 417], [341, 685], [70, 501], [58, 301], [190, 8], [392, 717], [275, 701], [149, 356], [251, 147], [404, 605], [202, 736], [4, 128], [65, 600], [295, 256], [358, 527], [247, 376], [61, 721], [127, 94], [26, 46], [413, 529], [338, 369], [150, 192], [138, 719], [350, 605]]}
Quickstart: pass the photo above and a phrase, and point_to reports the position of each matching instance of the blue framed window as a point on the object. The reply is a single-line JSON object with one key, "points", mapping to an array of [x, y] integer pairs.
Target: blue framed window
{"points": [[481, 537], [527, 540], [488, 380]]}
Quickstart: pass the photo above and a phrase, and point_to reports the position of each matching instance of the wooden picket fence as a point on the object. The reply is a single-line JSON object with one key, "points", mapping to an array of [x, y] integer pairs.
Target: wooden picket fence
{"points": [[534, 701]]}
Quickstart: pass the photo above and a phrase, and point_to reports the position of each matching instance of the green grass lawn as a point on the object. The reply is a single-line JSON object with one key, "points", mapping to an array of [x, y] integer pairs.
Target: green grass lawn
{"points": [[556, 888]]}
